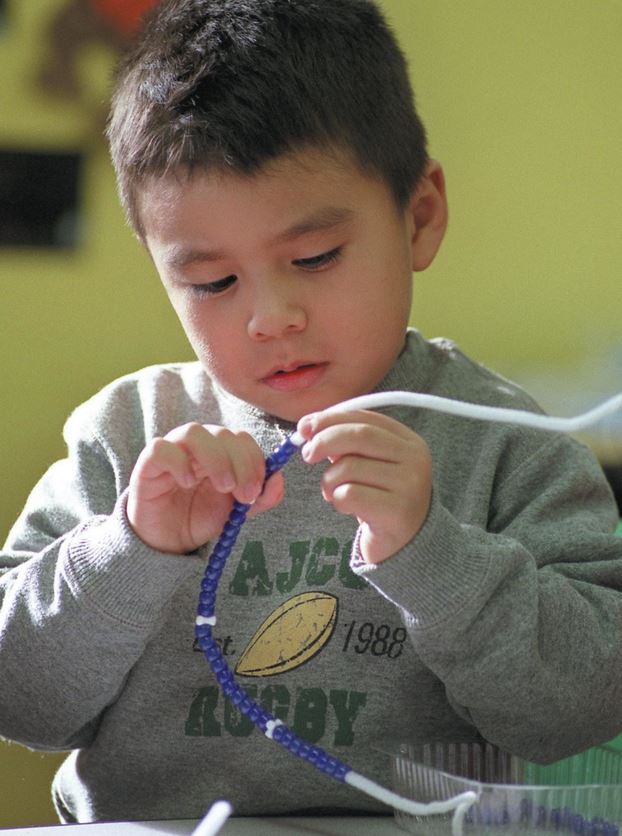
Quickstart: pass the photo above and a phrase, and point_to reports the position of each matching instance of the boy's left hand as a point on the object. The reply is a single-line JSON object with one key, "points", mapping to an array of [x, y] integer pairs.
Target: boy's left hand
{"points": [[380, 472]]}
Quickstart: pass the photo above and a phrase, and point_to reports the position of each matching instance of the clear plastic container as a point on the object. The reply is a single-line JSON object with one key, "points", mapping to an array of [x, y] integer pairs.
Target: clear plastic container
{"points": [[581, 795]]}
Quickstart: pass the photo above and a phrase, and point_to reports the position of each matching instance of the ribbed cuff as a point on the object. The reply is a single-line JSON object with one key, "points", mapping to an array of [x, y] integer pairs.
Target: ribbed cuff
{"points": [[434, 575], [119, 574]]}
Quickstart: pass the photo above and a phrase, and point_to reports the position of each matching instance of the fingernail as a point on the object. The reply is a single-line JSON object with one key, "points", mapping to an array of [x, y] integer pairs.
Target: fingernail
{"points": [[305, 425], [306, 452]]}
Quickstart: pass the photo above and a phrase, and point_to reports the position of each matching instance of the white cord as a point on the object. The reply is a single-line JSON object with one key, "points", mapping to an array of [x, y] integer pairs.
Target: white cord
{"points": [[459, 803], [483, 413], [214, 819]]}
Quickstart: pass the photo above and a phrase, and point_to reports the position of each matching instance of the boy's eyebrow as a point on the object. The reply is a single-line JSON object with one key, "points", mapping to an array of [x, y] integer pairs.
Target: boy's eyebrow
{"points": [[323, 219], [318, 221]]}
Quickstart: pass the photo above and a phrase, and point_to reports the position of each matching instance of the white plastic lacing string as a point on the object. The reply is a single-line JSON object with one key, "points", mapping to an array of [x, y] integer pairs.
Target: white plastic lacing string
{"points": [[480, 412]]}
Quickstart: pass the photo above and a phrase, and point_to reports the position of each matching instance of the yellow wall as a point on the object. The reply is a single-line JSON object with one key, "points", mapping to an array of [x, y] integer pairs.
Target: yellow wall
{"points": [[522, 104]]}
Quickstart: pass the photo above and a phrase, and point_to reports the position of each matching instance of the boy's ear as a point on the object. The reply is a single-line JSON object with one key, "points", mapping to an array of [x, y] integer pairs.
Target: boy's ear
{"points": [[428, 216]]}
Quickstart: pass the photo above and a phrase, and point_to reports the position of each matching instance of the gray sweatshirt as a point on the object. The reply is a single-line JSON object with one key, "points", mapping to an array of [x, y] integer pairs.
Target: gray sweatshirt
{"points": [[500, 620]]}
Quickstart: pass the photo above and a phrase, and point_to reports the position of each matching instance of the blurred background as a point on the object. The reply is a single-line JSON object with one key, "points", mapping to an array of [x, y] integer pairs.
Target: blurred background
{"points": [[522, 105]]}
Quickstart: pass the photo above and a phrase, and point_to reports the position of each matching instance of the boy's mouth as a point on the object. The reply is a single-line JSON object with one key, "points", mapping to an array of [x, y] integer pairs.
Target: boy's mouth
{"points": [[295, 376]]}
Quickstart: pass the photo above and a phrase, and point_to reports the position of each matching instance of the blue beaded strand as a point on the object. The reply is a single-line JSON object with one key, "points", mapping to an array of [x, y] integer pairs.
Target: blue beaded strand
{"points": [[269, 725]]}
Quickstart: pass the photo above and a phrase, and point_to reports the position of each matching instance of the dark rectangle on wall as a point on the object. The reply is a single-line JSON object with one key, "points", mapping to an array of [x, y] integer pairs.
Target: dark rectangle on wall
{"points": [[39, 198]]}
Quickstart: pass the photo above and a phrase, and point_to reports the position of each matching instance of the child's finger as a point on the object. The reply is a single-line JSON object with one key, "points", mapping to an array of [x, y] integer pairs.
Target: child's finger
{"points": [[362, 501], [161, 464], [310, 425], [208, 457], [231, 461], [380, 475], [358, 439], [248, 466], [271, 495]]}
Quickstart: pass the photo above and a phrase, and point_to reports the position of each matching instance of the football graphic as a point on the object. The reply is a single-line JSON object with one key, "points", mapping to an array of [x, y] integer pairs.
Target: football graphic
{"points": [[290, 636]]}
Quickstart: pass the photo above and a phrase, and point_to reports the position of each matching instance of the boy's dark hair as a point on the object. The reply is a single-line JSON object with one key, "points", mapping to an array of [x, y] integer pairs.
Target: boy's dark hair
{"points": [[233, 84]]}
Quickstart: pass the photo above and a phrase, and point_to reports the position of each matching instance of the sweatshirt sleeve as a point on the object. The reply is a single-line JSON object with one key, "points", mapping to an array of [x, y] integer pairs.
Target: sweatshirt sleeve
{"points": [[80, 596], [521, 619]]}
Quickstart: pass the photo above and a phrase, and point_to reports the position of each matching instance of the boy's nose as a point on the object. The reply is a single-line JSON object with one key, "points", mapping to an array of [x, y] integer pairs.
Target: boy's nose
{"points": [[276, 317]]}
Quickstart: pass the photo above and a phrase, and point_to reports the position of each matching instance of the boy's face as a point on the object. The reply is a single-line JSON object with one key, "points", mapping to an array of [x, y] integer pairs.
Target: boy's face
{"points": [[293, 285]]}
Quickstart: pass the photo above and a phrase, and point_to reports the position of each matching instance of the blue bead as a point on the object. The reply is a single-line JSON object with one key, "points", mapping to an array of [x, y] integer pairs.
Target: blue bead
{"points": [[254, 714], [246, 705], [313, 755], [331, 765], [237, 695], [263, 719], [209, 584], [228, 688], [340, 771], [278, 733]]}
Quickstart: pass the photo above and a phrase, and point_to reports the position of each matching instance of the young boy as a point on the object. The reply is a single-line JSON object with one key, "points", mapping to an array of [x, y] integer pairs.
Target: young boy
{"points": [[416, 576]]}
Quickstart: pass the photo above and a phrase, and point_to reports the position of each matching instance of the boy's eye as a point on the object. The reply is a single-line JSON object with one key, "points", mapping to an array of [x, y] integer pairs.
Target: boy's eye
{"points": [[318, 261], [213, 288]]}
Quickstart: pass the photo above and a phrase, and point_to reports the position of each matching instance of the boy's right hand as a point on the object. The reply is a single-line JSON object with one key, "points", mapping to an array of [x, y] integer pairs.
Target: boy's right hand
{"points": [[183, 486]]}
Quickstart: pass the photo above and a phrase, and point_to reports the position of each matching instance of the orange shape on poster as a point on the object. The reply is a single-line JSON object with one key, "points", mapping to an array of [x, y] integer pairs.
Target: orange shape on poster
{"points": [[124, 15]]}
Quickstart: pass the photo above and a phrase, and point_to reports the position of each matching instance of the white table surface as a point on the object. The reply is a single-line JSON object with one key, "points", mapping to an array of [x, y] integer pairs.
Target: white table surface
{"points": [[340, 826]]}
